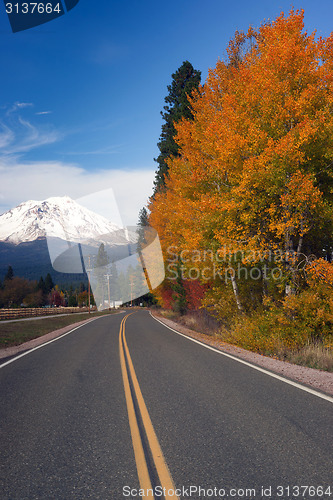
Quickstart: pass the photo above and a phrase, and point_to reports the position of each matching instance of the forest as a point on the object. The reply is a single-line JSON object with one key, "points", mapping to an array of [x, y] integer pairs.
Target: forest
{"points": [[16, 291], [243, 199]]}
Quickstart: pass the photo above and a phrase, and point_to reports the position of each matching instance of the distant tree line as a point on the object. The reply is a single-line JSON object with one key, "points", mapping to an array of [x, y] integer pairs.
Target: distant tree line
{"points": [[21, 292]]}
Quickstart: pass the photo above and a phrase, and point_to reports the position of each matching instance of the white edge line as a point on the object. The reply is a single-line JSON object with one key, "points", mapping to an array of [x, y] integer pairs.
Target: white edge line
{"points": [[46, 343], [255, 367]]}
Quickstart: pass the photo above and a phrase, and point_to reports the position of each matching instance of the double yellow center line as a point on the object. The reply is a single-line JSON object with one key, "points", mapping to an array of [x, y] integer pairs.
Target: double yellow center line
{"points": [[161, 467]]}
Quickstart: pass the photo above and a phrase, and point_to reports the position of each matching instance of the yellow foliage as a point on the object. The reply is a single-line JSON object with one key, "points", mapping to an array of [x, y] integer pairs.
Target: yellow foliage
{"points": [[247, 165], [255, 162], [320, 271]]}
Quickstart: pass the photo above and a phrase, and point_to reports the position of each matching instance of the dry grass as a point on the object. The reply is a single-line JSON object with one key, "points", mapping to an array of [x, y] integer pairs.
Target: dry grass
{"points": [[168, 314], [199, 321], [17, 332], [313, 356]]}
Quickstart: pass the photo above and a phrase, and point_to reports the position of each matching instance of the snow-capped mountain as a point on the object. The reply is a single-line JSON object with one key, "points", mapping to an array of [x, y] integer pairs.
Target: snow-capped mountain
{"points": [[57, 217]]}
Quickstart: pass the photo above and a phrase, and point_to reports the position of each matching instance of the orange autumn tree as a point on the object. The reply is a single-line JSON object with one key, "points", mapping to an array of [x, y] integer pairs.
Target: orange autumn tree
{"points": [[320, 272], [255, 168]]}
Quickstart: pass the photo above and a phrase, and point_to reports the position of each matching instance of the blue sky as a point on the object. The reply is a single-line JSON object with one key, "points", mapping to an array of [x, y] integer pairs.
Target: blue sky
{"points": [[81, 96]]}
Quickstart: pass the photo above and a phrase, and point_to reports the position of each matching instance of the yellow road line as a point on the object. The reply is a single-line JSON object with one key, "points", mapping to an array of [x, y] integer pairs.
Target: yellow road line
{"points": [[156, 451], [139, 455]]}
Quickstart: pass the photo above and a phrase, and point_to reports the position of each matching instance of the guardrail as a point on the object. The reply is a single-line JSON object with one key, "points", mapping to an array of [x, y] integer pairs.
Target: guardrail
{"points": [[26, 312]]}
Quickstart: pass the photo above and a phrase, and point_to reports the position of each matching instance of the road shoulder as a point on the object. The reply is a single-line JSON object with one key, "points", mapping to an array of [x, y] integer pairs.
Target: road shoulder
{"points": [[316, 379]]}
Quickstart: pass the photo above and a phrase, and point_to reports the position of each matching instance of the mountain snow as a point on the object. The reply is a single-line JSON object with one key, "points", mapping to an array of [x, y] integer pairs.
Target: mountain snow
{"points": [[57, 217]]}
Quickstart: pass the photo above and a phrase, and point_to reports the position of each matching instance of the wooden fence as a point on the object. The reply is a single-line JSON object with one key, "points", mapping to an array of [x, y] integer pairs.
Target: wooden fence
{"points": [[26, 312]]}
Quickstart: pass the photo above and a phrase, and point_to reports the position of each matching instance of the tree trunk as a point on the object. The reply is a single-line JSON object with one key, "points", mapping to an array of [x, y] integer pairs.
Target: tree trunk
{"points": [[236, 292]]}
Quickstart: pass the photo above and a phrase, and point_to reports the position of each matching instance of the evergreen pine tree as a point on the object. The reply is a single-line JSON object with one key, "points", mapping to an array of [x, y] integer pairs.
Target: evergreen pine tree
{"points": [[41, 285], [49, 283], [184, 81], [102, 257], [143, 222], [10, 274], [143, 218], [72, 302]]}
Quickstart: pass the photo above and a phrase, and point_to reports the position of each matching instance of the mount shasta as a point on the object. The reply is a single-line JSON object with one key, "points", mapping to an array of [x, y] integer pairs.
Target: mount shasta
{"points": [[26, 229]]}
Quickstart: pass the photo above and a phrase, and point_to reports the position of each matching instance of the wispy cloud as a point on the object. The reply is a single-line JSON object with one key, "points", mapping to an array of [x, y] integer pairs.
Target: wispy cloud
{"points": [[23, 104], [43, 113], [31, 137], [7, 136], [19, 105], [20, 135]]}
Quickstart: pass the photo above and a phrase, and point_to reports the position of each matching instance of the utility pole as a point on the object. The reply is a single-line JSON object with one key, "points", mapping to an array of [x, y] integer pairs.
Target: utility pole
{"points": [[89, 284], [108, 276], [131, 289]]}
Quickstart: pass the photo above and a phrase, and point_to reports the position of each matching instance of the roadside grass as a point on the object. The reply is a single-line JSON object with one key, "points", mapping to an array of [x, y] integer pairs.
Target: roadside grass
{"points": [[168, 314], [263, 337], [18, 332], [197, 320], [313, 356]]}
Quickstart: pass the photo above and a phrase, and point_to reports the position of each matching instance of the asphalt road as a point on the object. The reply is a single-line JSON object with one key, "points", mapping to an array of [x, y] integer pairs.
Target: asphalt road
{"points": [[124, 402]]}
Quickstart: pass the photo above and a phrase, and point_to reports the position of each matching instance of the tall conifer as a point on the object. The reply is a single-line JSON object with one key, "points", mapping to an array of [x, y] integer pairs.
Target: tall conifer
{"points": [[184, 81]]}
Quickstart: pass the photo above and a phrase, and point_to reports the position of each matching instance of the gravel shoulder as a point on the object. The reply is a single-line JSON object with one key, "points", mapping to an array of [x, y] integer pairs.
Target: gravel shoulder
{"points": [[316, 379]]}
